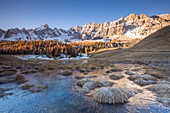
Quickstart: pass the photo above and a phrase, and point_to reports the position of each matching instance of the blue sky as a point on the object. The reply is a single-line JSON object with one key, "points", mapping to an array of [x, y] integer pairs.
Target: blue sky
{"points": [[67, 13]]}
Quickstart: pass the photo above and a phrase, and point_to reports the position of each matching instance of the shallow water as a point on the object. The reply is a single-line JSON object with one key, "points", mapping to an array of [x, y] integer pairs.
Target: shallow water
{"points": [[60, 98]]}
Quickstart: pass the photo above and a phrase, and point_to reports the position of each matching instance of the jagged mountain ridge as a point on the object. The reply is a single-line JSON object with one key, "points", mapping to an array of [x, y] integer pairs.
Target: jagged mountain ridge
{"points": [[133, 26], [41, 33], [130, 27]]}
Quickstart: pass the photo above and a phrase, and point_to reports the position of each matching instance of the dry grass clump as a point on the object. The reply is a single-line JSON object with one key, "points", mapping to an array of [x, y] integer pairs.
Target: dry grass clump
{"points": [[86, 81], [115, 69], [165, 101], [5, 66], [7, 72], [77, 67], [81, 77], [27, 86], [38, 88], [137, 69], [115, 77], [163, 93], [108, 71], [107, 83], [7, 79], [110, 95], [85, 85], [155, 73], [30, 71], [93, 68], [3, 93], [130, 73], [142, 82], [34, 88], [66, 73], [112, 65], [145, 77], [84, 70], [160, 89], [20, 79]]}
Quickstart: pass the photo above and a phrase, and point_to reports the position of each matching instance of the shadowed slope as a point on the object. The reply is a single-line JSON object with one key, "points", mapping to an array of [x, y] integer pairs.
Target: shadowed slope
{"points": [[158, 41], [155, 47]]}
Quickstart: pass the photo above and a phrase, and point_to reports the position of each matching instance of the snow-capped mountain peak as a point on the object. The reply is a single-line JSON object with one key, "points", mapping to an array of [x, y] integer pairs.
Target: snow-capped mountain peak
{"points": [[131, 27]]}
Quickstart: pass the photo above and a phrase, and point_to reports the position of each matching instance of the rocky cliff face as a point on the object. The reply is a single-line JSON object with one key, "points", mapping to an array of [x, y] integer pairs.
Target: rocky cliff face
{"points": [[131, 27], [41, 33]]}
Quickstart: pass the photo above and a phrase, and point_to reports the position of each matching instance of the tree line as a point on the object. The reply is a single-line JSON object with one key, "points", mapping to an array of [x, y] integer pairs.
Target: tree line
{"points": [[52, 48]]}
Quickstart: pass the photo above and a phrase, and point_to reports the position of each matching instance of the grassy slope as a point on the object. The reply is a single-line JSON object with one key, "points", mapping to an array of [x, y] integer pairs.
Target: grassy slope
{"points": [[159, 41], [155, 47]]}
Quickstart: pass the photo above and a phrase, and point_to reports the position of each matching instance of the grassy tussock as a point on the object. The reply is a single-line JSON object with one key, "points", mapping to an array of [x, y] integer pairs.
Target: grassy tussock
{"points": [[143, 82], [33, 88], [163, 93], [145, 77], [85, 85], [160, 89], [20, 79], [115, 77], [111, 95]]}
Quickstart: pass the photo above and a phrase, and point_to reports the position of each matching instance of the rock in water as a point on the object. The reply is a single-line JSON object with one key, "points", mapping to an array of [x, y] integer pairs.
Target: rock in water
{"points": [[111, 95]]}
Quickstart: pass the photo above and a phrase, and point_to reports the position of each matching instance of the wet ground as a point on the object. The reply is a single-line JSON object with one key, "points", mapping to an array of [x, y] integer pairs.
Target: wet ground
{"points": [[60, 97]]}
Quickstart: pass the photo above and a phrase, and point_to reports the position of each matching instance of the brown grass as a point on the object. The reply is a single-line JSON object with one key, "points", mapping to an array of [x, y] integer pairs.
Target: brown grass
{"points": [[111, 95], [143, 82], [153, 48], [20, 79], [27, 86], [115, 77]]}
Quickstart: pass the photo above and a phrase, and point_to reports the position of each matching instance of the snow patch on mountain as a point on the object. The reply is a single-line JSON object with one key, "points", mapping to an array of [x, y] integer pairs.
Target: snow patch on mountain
{"points": [[132, 27], [135, 33]]}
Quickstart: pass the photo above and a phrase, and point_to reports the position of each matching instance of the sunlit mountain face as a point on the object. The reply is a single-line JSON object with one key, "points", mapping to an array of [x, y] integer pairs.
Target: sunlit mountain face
{"points": [[131, 27]]}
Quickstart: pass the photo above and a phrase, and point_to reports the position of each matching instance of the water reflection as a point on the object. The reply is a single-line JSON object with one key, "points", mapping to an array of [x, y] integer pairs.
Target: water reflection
{"points": [[60, 98]]}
